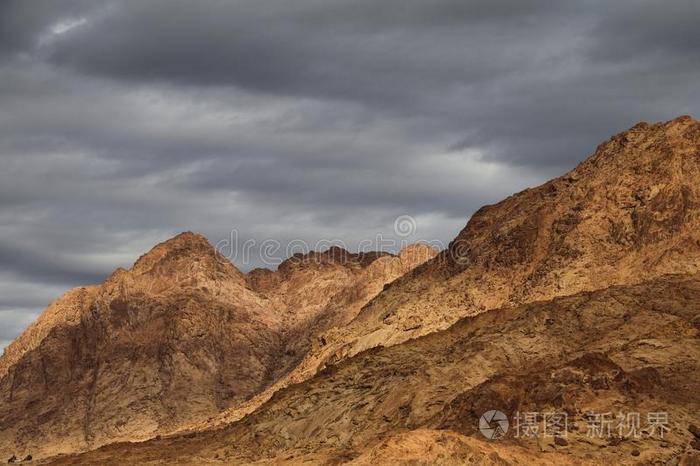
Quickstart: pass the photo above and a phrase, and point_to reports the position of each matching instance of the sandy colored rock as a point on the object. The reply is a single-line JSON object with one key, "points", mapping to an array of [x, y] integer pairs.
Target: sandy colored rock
{"points": [[430, 447]]}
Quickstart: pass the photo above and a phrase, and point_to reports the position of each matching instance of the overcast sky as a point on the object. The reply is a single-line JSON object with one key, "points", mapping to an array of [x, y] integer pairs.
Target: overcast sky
{"points": [[125, 122]]}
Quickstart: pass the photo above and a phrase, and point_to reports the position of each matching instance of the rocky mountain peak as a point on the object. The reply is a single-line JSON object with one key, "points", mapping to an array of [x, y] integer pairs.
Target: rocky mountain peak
{"points": [[334, 255], [185, 256], [638, 187], [645, 147], [186, 243]]}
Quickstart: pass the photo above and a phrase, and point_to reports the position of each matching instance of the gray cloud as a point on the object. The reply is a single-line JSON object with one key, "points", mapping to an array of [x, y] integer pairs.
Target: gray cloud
{"points": [[24, 24], [29, 265], [15, 322], [125, 122]]}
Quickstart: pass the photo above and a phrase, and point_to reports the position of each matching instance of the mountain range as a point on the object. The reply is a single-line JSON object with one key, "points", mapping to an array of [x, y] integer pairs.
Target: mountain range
{"points": [[577, 296]]}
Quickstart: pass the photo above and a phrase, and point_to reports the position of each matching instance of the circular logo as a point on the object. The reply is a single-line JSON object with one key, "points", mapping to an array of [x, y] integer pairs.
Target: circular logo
{"points": [[493, 424], [404, 226]]}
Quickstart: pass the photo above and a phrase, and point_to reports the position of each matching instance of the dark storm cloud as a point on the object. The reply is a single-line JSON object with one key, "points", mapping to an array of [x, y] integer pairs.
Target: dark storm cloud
{"points": [[22, 23], [397, 53], [125, 122], [666, 29], [14, 322], [480, 67], [42, 268]]}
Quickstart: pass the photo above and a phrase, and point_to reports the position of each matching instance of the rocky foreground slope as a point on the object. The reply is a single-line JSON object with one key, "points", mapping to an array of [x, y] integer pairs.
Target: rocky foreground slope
{"points": [[626, 349], [177, 339]]}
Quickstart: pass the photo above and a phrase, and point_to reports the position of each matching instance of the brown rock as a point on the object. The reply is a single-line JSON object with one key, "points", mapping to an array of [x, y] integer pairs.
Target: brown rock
{"points": [[690, 459], [695, 430]]}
